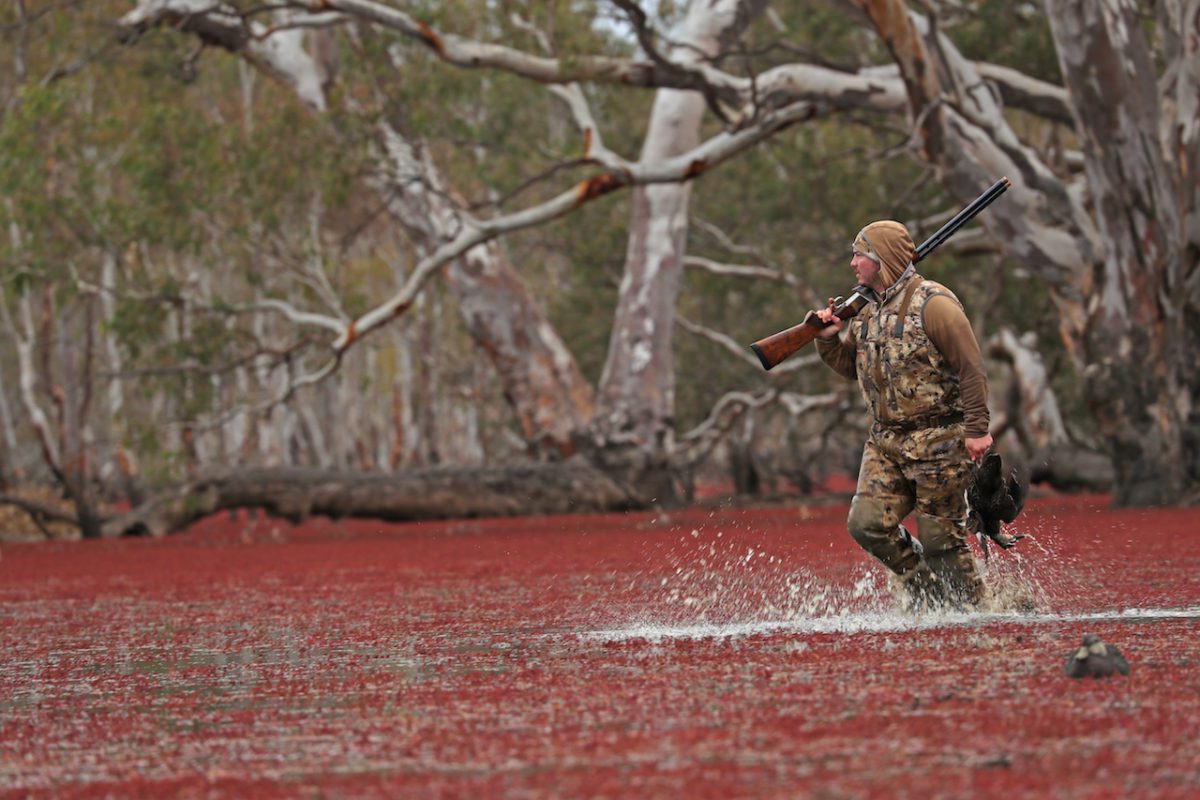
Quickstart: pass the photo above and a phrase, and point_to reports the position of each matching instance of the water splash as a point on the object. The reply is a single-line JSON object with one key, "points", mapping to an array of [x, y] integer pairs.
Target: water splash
{"points": [[878, 622], [720, 587], [719, 578]]}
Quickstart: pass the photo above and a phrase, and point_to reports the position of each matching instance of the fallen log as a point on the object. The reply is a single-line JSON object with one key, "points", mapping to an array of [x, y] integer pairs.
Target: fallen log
{"points": [[296, 493]]}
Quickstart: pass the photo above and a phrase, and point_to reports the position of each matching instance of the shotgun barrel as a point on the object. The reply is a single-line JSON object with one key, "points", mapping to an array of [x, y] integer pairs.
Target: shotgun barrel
{"points": [[773, 349], [961, 218]]}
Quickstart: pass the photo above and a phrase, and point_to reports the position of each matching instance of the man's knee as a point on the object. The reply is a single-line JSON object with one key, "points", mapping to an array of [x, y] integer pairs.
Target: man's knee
{"points": [[871, 517], [874, 522]]}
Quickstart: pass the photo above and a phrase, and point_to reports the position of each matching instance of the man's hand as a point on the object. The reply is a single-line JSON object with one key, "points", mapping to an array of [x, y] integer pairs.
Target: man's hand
{"points": [[977, 448], [835, 323]]}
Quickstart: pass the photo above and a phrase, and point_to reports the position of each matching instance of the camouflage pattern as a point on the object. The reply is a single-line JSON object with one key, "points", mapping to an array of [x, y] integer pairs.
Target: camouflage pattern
{"points": [[904, 379], [915, 459], [927, 471]]}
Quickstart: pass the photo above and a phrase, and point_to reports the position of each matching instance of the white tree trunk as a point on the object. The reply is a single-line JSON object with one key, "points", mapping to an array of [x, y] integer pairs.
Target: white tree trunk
{"points": [[636, 397], [539, 375], [9, 465], [25, 339], [1140, 380]]}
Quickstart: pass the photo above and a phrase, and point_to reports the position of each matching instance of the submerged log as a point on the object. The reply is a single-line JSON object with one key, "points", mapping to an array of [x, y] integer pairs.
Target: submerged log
{"points": [[298, 493]]}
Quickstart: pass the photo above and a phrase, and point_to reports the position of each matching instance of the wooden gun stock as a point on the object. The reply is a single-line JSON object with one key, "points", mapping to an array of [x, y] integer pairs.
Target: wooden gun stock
{"points": [[778, 346]]}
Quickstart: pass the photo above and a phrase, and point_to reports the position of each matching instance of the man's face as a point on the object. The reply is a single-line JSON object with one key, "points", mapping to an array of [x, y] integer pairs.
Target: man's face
{"points": [[866, 269]]}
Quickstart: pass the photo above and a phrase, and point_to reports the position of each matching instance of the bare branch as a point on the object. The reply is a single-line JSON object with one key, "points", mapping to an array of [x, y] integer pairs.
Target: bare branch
{"points": [[869, 89], [286, 356], [472, 54], [740, 270], [274, 357], [270, 304], [544, 175], [725, 241], [732, 97], [740, 351], [622, 174], [295, 315], [695, 445], [1019, 90], [593, 144], [279, 53], [291, 386], [799, 405], [537, 33]]}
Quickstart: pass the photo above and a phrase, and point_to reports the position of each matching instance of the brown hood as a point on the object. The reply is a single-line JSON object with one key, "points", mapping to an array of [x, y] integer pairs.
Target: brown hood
{"points": [[888, 242]]}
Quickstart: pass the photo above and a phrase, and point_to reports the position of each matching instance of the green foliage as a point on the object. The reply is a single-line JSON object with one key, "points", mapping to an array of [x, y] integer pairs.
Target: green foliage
{"points": [[1011, 34], [163, 168], [137, 324], [135, 162]]}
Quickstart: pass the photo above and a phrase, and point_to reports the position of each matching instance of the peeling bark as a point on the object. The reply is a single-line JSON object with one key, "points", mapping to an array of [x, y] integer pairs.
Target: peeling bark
{"points": [[1032, 409], [1042, 450], [1140, 381], [1028, 94], [636, 394], [541, 380]]}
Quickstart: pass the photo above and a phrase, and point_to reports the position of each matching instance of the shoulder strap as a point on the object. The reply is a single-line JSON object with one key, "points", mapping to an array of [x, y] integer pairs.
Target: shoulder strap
{"points": [[914, 283]]}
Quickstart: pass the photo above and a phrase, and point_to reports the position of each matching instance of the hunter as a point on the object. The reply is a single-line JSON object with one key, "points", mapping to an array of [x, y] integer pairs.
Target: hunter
{"points": [[920, 370]]}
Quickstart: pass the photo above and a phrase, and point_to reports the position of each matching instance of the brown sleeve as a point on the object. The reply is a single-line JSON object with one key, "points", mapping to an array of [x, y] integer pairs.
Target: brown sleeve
{"points": [[950, 331], [839, 354]]}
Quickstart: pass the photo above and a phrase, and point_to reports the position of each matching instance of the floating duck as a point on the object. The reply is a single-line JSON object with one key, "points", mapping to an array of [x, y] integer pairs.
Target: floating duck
{"points": [[1096, 659]]}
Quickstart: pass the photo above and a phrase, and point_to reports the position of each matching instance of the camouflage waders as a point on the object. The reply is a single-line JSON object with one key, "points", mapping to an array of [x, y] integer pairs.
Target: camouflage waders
{"points": [[925, 470], [915, 457]]}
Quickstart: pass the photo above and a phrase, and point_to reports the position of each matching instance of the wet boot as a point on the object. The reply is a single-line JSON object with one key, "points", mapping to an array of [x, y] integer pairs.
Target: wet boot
{"points": [[921, 591], [949, 558]]}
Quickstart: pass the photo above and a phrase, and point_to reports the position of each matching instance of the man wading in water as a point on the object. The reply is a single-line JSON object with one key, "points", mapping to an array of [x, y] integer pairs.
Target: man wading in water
{"points": [[920, 370]]}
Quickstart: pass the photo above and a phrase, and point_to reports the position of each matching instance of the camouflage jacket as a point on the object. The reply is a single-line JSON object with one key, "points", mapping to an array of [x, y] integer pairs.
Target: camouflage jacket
{"points": [[905, 380]]}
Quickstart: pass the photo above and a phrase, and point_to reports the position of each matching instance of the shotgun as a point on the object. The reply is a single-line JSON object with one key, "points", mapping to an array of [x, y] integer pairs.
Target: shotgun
{"points": [[776, 347]]}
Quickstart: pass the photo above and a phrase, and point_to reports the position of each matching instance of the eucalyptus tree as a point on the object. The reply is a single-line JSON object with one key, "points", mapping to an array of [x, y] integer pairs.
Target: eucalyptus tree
{"points": [[637, 383], [1102, 209], [134, 234], [636, 397]]}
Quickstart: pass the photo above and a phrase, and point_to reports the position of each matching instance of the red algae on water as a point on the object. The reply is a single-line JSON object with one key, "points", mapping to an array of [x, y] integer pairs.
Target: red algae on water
{"points": [[719, 653]]}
